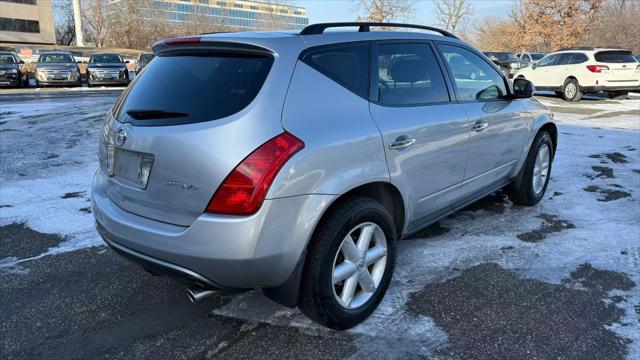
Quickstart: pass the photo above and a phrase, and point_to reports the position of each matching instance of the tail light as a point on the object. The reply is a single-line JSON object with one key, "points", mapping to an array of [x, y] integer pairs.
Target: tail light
{"points": [[597, 68], [183, 40], [245, 188]]}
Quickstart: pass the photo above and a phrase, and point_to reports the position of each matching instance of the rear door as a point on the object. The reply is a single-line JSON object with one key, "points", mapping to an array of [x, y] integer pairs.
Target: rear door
{"points": [[499, 124], [622, 67], [424, 133]]}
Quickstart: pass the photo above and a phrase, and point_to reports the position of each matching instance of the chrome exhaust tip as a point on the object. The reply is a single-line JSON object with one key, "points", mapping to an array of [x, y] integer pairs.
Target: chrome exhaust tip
{"points": [[196, 295]]}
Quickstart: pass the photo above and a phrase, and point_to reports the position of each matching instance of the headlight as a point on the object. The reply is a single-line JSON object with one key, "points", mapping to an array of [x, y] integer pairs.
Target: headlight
{"points": [[515, 65], [12, 71]]}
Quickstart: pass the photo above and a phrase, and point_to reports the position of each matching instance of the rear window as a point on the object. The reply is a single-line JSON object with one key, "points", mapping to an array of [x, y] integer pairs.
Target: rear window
{"points": [[615, 57], [186, 89], [347, 65]]}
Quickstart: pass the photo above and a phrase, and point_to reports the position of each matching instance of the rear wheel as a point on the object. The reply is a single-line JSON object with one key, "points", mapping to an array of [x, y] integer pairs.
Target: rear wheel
{"points": [[349, 264], [571, 90], [536, 172], [617, 95]]}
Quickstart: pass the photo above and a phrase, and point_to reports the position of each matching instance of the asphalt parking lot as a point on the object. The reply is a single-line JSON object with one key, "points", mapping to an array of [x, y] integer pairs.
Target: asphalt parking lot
{"points": [[558, 280]]}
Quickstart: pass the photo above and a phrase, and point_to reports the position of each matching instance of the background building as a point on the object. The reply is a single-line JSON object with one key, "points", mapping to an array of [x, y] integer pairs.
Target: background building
{"points": [[27, 22], [230, 14]]}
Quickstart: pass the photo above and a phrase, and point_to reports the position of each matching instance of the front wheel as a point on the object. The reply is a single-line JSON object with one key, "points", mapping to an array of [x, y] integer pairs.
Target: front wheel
{"points": [[536, 172], [617, 95], [349, 264]]}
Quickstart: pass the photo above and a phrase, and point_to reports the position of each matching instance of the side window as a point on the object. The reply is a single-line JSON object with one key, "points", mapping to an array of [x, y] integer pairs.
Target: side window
{"points": [[578, 58], [347, 65], [526, 57], [548, 60], [564, 59], [474, 78], [409, 74]]}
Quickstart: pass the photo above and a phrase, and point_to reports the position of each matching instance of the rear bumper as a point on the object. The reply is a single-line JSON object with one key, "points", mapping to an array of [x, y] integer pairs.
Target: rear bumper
{"points": [[234, 252]]}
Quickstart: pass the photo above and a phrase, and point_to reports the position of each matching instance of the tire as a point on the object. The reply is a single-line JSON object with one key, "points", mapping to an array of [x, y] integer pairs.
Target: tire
{"points": [[617, 95], [525, 193], [571, 90], [318, 294]]}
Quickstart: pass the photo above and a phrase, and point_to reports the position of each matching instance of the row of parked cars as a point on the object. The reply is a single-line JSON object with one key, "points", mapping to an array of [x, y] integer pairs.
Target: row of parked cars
{"points": [[572, 72], [61, 68]]}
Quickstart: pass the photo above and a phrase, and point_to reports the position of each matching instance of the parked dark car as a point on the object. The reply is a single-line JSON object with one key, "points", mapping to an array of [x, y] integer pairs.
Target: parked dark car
{"points": [[107, 69], [143, 60], [57, 68], [507, 61], [11, 72]]}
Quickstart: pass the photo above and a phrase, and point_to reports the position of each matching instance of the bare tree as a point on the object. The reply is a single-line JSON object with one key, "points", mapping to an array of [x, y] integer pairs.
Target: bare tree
{"points": [[65, 28], [621, 15], [385, 10], [95, 15], [451, 15], [272, 14], [200, 23]]}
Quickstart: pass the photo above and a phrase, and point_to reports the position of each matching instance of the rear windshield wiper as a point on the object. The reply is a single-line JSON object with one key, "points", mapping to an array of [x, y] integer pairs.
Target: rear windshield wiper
{"points": [[144, 114]]}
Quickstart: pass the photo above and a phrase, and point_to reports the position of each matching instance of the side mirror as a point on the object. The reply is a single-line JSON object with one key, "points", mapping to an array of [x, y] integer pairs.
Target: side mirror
{"points": [[85, 62], [522, 88], [534, 66], [126, 62], [21, 62]]}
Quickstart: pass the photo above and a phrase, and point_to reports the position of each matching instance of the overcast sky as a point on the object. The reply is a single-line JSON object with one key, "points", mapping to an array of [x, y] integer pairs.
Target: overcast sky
{"points": [[343, 10]]}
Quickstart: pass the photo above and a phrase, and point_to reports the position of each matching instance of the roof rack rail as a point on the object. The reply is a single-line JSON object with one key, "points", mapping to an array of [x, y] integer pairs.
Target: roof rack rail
{"points": [[578, 48], [317, 29]]}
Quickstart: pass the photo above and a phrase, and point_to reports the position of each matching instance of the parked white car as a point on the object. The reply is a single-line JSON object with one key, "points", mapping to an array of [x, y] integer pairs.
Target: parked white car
{"points": [[573, 72], [531, 57]]}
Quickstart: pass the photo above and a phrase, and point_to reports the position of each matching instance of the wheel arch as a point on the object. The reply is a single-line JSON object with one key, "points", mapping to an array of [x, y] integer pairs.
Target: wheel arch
{"points": [[386, 193]]}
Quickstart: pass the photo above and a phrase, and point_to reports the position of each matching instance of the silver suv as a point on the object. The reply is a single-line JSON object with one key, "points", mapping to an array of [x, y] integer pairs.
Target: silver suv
{"points": [[294, 162]]}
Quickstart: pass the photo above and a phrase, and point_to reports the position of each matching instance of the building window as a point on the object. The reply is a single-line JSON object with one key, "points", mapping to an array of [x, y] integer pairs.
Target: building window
{"points": [[26, 2], [204, 1], [253, 7], [222, 4], [19, 25], [239, 6]]}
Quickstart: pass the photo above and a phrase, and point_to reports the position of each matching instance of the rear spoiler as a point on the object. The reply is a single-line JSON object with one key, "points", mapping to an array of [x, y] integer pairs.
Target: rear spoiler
{"points": [[197, 44]]}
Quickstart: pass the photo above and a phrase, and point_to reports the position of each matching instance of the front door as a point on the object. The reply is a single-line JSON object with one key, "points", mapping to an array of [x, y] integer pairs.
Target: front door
{"points": [[499, 127], [424, 133]]}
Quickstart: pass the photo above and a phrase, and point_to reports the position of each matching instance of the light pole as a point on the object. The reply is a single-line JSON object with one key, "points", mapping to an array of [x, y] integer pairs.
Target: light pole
{"points": [[77, 17]]}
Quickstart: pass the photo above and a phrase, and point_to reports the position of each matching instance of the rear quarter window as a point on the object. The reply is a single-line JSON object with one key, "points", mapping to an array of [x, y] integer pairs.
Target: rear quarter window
{"points": [[194, 88], [348, 65], [616, 56]]}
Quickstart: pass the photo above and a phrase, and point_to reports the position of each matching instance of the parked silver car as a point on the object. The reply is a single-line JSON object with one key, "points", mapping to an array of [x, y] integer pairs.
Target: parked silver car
{"points": [[294, 162], [57, 68]]}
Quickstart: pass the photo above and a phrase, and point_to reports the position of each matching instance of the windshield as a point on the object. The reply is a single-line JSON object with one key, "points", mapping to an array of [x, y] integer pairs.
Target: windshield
{"points": [[503, 56], [7, 59], [105, 59], [186, 89], [55, 58], [537, 56], [617, 56], [144, 59]]}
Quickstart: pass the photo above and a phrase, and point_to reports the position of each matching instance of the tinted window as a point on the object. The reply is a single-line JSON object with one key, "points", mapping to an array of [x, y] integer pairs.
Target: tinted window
{"points": [[502, 56], [145, 58], [614, 57], [409, 74], [7, 59], [564, 59], [474, 78], [526, 57], [105, 59], [55, 58], [578, 58], [347, 65], [187, 89], [537, 56], [549, 60]]}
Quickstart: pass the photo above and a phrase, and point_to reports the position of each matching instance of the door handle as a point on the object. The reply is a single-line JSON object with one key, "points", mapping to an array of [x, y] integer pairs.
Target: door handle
{"points": [[480, 125], [401, 143]]}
